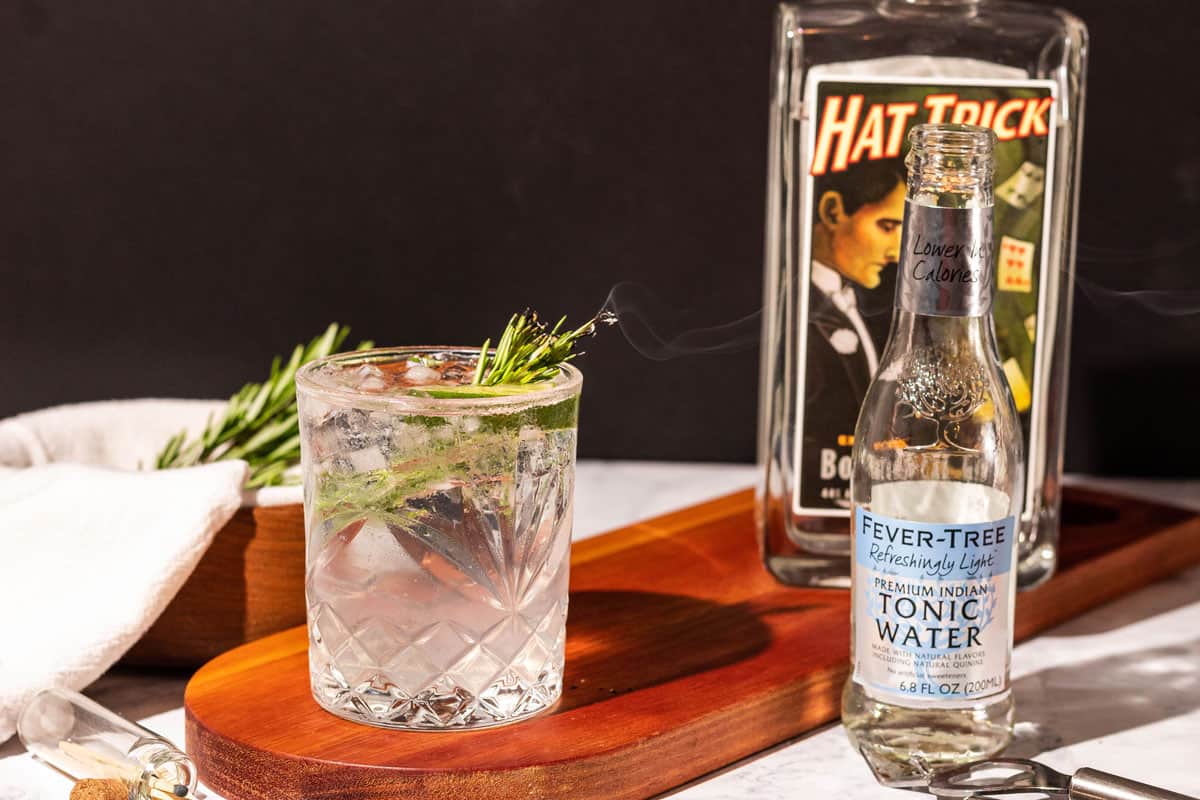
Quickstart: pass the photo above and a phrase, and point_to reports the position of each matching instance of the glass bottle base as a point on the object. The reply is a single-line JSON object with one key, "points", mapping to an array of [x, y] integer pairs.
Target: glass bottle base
{"points": [[1038, 550], [806, 551], [920, 740], [821, 572], [1036, 568]]}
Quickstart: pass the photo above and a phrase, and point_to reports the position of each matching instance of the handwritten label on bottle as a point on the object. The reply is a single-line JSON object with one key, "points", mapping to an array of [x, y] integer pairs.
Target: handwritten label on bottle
{"points": [[946, 259], [933, 617]]}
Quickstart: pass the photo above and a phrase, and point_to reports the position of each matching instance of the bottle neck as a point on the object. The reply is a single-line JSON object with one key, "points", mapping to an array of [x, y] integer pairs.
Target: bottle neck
{"points": [[946, 258], [953, 8], [911, 331], [932, 3], [946, 246]]}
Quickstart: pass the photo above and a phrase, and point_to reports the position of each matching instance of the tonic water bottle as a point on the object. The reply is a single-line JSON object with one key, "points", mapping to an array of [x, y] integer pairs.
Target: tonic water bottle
{"points": [[937, 483]]}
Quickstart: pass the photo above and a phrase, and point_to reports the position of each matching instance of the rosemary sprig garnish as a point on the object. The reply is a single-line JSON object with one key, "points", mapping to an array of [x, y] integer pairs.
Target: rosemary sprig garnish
{"points": [[260, 425], [528, 352]]}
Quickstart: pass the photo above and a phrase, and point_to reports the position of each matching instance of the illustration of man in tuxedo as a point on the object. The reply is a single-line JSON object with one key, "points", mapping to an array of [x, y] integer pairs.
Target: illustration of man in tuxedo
{"points": [[855, 243]]}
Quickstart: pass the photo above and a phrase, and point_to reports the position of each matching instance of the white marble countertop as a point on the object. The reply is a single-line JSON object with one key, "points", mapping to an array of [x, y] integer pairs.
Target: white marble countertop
{"points": [[1117, 688]]}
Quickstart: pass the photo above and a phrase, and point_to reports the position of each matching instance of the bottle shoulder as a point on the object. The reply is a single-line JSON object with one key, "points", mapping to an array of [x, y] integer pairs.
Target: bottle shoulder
{"points": [[894, 41], [1019, 22], [936, 369]]}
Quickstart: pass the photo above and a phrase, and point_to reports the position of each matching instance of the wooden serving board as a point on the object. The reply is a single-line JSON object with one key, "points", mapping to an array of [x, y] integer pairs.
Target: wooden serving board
{"points": [[683, 656]]}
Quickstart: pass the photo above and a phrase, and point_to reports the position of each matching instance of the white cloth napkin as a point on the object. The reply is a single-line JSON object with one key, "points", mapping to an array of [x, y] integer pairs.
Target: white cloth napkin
{"points": [[91, 548]]}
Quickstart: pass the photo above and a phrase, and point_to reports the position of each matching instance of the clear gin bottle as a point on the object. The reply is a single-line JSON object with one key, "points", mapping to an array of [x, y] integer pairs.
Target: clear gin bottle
{"points": [[850, 78]]}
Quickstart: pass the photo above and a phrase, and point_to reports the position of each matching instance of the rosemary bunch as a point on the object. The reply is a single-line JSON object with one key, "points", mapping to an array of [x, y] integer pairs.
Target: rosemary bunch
{"points": [[529, 352], [260, 425]]}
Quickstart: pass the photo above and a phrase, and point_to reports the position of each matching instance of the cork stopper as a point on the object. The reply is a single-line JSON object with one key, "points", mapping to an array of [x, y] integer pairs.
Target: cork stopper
{"points": [[100, 789]]}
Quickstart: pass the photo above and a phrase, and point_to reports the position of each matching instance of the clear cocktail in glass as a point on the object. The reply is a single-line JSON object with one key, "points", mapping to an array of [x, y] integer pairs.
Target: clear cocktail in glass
{"points": [[438, 517]]}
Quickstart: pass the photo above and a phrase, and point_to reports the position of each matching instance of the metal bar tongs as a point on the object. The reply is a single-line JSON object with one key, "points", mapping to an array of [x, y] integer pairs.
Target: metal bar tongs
{"points": [[1022, 779]]}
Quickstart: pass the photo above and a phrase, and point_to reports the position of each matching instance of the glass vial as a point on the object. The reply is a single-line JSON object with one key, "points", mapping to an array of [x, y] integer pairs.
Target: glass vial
{"points": [[850, 78], [937, 483], [84, 739]]}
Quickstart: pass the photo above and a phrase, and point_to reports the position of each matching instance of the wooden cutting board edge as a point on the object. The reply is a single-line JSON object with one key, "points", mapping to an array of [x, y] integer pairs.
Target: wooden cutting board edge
{"points": [[762, 721]]}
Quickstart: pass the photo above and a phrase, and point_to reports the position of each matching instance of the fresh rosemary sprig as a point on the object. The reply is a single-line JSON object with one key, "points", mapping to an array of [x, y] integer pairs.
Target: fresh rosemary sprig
{"points": [[529, 352], [260, 425]]}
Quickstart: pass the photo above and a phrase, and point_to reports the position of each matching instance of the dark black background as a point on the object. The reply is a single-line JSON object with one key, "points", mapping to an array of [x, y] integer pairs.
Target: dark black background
{"points": [[187, 189]]}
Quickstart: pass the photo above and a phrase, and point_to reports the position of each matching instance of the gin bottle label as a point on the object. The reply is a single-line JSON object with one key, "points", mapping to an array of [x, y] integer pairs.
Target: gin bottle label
{"points": [[934, 613], [848, 222]]}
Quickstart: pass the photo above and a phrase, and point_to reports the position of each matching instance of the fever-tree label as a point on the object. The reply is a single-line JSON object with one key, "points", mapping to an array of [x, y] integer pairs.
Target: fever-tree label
{"points": [[932, 617]]}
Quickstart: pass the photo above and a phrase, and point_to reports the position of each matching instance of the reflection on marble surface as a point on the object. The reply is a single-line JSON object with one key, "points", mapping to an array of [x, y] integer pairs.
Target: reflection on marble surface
{"points": [[1118, 688]]}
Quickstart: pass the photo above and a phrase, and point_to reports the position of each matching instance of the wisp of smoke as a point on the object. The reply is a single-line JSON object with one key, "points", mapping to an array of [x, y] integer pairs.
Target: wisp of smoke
{"points": [[652, 328], [1160, 302]]}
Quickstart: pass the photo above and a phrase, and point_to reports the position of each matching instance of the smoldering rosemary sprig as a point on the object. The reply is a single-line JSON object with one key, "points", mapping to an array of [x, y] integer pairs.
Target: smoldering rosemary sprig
{"points": [[261, 423], [528, 351]]}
